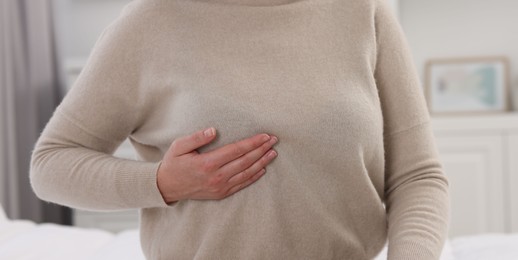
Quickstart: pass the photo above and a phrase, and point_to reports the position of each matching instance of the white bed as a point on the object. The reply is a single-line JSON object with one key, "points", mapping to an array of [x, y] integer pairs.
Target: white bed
{"points": [[25, 240]]}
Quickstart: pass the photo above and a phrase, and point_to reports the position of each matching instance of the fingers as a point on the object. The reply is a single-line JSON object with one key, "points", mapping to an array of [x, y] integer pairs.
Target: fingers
{"points": [[247, 182], [242, 163], [217, 187], [256, 167], [230, 152], [187, 144]]}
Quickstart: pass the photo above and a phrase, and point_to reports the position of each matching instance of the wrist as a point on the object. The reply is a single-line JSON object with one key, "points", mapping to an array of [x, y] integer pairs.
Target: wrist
{"points": [[162, 184]]}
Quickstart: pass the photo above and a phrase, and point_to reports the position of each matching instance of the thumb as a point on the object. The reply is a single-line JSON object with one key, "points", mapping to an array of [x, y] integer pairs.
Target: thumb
{"points": [[187, 144]]}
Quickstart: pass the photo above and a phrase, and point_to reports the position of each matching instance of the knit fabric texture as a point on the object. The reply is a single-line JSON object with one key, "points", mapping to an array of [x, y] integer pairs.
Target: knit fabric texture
{"points": [[357, 162]]}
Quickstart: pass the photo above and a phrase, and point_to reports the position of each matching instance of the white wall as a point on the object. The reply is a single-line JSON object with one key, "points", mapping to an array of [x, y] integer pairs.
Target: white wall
{"points": [[395, 6], [80, 22], [439, 28], [446, 28]]}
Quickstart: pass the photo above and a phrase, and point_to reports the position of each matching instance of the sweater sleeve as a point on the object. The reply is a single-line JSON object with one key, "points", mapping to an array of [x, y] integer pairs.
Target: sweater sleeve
{"points": [[416, 188], [72, 163]]}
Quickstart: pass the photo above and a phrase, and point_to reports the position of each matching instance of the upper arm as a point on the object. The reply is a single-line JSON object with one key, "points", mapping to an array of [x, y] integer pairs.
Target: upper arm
{"points": [[106, 100], [402, 99]]}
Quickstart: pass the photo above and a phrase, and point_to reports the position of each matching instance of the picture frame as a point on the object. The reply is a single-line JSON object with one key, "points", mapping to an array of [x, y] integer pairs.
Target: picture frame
{"points": [[467, 85]]}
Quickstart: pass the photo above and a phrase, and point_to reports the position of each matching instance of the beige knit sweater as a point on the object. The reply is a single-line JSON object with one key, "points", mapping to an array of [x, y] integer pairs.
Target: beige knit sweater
{"points": [[333, 79]]}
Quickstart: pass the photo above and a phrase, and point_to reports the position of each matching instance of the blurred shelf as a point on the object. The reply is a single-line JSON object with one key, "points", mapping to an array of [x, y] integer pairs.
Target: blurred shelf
{"points": [[507, 121]]}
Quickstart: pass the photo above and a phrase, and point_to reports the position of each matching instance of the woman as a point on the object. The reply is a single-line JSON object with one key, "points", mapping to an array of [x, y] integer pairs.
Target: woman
{"points": [[333, 80]]}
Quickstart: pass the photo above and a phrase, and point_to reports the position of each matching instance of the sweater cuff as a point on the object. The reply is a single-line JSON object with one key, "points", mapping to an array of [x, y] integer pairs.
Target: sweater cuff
{"points": [[409, 250], [139, 186]]}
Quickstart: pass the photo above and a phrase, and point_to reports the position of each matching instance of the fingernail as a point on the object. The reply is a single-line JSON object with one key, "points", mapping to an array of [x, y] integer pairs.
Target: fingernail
{"points": [[209, 132]]}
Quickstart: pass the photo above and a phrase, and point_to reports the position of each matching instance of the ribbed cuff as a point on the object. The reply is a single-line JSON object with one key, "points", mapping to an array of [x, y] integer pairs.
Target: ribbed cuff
{"points": [[411, 250], [138, 187]]}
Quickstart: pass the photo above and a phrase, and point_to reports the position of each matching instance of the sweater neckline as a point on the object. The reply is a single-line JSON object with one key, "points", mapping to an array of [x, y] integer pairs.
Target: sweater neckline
{"points": [[249, 4], [252, 3]]}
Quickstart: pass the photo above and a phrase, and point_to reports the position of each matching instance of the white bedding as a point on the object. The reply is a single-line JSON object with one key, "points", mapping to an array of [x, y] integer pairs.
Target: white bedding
{"points": [[25, 240], [49, 241], [488, 246], [125, 245]]}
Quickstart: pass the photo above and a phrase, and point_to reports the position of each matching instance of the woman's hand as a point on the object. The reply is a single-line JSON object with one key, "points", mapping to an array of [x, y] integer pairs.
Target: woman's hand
{"points": [[186, 174]]}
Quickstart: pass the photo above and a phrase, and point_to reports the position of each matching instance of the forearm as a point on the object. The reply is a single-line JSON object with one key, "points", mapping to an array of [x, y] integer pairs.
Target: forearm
{"points": [[72, 174], [417, 196]]}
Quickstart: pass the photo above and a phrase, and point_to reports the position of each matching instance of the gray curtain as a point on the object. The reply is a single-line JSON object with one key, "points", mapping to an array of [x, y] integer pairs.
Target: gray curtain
{"points": [[29, 93]]}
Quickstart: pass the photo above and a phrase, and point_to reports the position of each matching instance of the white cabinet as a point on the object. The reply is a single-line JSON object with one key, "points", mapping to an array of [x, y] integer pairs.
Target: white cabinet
{"points": [[479, 157], [512, 186], [474, 166], [110, 221]]}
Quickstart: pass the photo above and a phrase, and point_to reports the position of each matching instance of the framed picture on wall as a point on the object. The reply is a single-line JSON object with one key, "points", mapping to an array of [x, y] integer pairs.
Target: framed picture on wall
{"points": [[467, 85]]}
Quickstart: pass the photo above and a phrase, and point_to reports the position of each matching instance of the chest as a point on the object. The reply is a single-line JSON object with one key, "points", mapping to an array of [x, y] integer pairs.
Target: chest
{"points": [[308, 87]]}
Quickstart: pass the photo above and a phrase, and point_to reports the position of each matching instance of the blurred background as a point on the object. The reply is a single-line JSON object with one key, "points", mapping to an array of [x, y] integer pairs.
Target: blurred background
{"points": [[465, 52]]}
